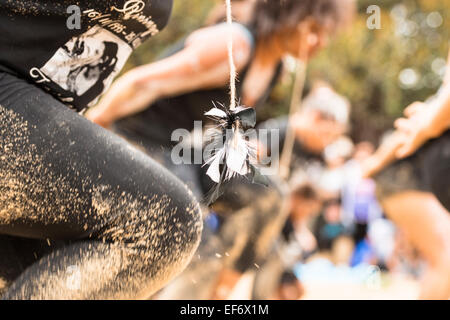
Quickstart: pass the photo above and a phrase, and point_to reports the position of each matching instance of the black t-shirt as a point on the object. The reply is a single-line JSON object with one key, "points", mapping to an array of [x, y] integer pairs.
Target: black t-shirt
{"points": [[40, 42]]}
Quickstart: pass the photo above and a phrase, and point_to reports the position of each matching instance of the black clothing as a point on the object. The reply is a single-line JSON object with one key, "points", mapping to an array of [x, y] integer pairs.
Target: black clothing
{"points": [[39, 43], [302, 158], [426, 170], [128, 223]]}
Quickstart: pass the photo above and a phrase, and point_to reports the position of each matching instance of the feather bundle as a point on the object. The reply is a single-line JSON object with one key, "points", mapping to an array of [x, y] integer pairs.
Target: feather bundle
{"points": [[232, 154]]}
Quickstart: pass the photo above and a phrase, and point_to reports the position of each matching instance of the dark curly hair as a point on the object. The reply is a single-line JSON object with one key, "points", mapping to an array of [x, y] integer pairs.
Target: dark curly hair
{"points": [[276, 16]]}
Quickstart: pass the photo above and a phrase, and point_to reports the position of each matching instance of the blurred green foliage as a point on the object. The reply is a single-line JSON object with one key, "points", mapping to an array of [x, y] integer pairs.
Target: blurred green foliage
{"points": [[380, 71], [367, 66], [187, 16]]}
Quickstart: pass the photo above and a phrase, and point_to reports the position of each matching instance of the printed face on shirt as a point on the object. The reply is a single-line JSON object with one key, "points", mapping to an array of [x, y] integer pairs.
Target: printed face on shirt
{"points": [[88, 61], [82, 69]]}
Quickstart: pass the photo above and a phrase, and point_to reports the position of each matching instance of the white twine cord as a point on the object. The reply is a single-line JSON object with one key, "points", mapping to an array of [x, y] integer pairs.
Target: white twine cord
{"points": [[230, 57], [296, 101]]}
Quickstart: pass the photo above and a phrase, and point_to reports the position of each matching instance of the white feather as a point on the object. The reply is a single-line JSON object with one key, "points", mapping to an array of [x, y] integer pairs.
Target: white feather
{"points": [[214, 168], [216, 112], [237, 154]]}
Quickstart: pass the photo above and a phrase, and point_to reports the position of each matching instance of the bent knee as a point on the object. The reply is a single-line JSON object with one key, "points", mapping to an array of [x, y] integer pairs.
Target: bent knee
{"points": [[171, 242], [162, 223], [184, 226], [182, 220]]}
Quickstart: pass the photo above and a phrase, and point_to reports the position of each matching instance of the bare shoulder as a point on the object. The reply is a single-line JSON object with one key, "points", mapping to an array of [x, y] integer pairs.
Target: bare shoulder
{"points": [[219, 34]]}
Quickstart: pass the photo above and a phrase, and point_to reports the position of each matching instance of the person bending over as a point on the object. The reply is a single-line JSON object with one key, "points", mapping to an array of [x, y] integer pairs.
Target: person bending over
{"points": [[111, 222], [412, 169]]}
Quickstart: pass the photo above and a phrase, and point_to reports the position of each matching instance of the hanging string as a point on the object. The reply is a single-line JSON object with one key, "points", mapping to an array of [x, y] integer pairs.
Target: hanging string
{"points": [[230, 57], [232, 154], [297, 91]]}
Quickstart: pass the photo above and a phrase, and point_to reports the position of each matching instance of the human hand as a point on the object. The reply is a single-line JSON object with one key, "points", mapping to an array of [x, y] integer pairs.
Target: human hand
{"points": [[105, 113], [127, 96], [416, 128], [384, 156]]}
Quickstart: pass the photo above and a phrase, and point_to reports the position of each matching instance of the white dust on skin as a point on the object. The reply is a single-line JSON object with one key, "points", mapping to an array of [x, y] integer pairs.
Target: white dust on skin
{"points": [[143, 241]]}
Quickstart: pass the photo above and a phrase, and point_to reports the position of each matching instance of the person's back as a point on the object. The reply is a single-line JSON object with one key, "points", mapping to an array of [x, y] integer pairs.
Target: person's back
{"points": [[168, 114]]}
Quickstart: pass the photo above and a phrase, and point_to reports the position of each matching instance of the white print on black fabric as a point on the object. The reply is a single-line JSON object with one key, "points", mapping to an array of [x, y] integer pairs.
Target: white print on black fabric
{"points": [[38, 75], [131, 11], [87, 64]]}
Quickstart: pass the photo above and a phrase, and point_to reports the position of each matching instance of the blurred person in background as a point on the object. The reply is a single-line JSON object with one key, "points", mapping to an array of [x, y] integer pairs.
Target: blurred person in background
{"points": [[322, 119], [359, 203], [295, 242], [242, 11], [290, 287], [328, 227], [183, 84], [335, 175], [415, 190], [381, 234]]}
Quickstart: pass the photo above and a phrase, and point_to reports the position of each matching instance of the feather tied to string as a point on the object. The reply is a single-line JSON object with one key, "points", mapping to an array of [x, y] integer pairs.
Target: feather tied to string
{"points": [[232, 154]]}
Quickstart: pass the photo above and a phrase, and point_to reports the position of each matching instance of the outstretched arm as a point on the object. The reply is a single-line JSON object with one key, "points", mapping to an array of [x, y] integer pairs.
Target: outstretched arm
{"points": [[202, 64], [422, 122]]}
